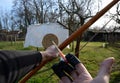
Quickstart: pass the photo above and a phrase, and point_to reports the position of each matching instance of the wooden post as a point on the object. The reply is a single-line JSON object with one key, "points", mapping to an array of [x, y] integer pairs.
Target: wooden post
{"points": [[72, 37]]}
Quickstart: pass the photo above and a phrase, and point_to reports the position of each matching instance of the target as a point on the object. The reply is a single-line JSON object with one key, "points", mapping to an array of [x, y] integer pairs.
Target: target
{"points": [[47, 40]]}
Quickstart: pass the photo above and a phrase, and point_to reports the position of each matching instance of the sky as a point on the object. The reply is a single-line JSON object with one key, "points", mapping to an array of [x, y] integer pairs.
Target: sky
{"points": [[103, 20], [7, 5]]}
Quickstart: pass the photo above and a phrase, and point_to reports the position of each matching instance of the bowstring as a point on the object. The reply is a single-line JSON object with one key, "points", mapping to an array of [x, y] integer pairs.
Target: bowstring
{"points": [[95, 34]]}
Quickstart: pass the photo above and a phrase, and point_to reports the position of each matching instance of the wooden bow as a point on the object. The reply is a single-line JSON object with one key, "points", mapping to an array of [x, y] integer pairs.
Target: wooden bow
{"points": [[72, 37]]}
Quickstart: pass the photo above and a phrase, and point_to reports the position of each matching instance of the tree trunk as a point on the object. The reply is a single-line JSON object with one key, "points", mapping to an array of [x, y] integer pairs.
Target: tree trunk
{"points": [[77, 46]]}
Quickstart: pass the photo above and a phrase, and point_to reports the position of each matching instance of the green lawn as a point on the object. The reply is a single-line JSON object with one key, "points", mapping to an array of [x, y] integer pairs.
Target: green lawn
{"points": [[91, 55]]}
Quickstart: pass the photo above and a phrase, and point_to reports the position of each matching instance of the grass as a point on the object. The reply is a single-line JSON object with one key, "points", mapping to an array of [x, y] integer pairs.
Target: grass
{"points": [[91, 56]]}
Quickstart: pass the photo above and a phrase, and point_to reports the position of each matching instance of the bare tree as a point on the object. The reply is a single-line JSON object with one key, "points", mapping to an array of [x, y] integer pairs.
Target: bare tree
{"points": [[45, 10], [51, 11], [35, 11], [76, 14], [112, 39], [71, 13], [5, 20], [0, 24], [118, 13], [22, 9]]}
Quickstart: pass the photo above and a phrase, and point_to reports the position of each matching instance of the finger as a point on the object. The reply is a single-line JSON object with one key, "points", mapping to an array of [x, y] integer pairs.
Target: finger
{"points": [[80, 68], [60, 69], [106, 66], [74, 75], [65, 79], [52, 50], [83, 73], [104, 72], [50, 53], [71, 72]]}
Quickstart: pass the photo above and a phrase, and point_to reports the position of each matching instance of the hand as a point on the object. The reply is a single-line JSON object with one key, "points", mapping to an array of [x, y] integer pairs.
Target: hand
{"points": [[50, 53], [81, 75]]}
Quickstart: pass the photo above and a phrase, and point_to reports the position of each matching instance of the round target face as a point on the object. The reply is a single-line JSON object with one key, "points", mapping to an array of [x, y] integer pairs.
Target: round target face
{"points": [[47, 40]]}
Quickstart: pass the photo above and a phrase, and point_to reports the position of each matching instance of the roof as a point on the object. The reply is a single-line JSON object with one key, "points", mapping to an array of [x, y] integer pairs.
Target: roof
{"points": [[105, 30]]}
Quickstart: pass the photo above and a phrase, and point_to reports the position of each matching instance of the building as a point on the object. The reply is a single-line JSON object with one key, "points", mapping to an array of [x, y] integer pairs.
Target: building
{"points": [[6, 35], [103, 35]]}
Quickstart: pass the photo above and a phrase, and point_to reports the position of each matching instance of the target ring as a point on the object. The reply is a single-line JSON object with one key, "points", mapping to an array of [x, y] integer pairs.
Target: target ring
{"points": [[47, 40]]}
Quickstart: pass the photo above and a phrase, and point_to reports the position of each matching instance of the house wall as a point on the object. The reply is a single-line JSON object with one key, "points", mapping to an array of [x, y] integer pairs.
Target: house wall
{"points": [[102, 36], [8, 35]]}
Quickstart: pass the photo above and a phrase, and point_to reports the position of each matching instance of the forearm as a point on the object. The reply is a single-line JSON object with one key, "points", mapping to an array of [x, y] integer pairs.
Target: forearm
{"points": [[16, 64]]}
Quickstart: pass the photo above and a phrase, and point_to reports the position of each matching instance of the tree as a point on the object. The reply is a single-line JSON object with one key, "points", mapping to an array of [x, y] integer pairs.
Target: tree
{"points": [[118, 13], [0, 24], [76, 14], [71, 13], [116, 18], [22, 9], [29, 12]]}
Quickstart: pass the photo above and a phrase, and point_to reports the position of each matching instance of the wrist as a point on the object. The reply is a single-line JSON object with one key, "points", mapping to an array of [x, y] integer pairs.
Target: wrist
{"points": [[44, 56]]}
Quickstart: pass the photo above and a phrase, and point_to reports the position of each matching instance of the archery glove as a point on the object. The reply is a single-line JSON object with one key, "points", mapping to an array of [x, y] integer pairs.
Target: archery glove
{"points": [[73, 60]]}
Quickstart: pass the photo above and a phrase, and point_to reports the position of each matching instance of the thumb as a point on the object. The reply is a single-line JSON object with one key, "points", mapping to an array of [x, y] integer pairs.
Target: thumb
{"points": [[104, 72], [106, 66]]}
